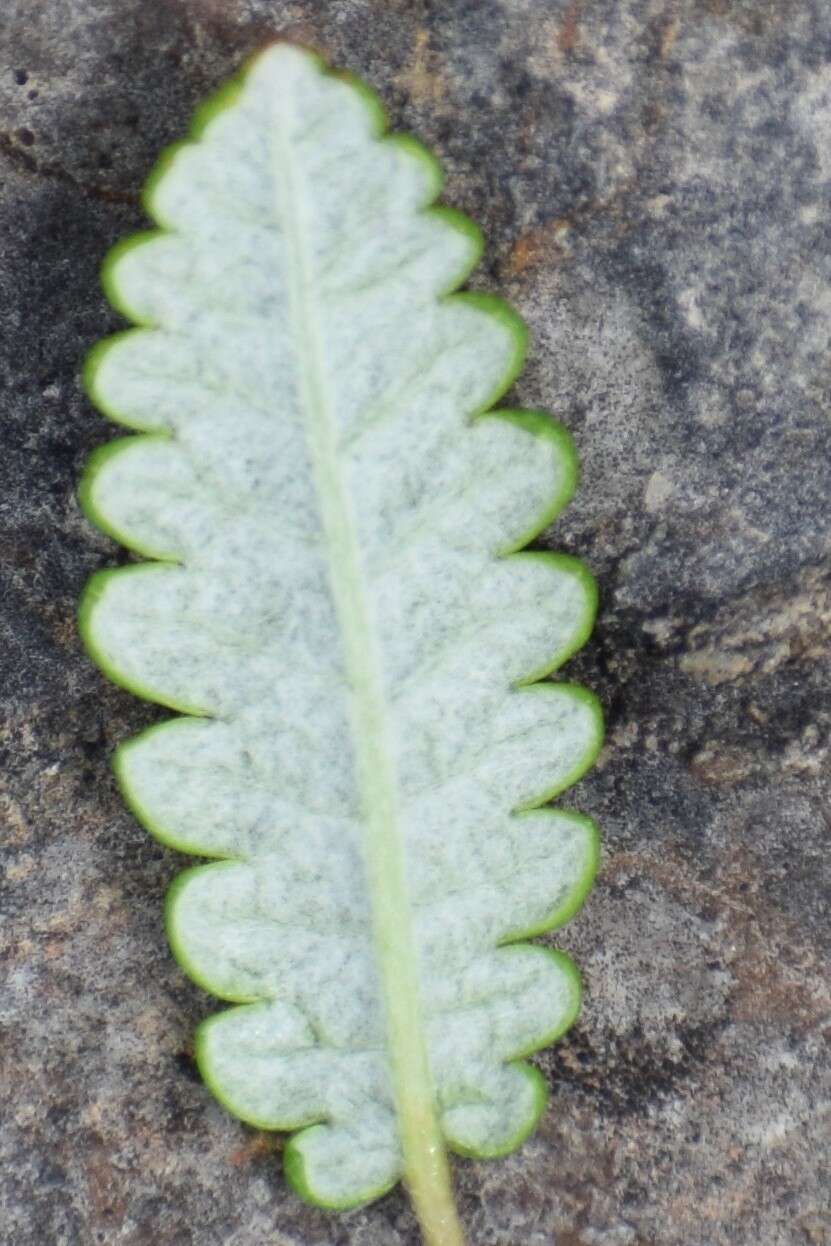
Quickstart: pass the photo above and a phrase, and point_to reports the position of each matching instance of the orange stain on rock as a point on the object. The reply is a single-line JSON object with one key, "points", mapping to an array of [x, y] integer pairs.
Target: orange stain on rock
{"points": [[568, 35], [421, 79], [668, 35], [261, 1146], [536, 246]]}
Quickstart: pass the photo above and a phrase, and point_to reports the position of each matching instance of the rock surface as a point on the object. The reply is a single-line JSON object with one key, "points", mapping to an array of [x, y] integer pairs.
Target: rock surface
{"points": [[653, 179]]}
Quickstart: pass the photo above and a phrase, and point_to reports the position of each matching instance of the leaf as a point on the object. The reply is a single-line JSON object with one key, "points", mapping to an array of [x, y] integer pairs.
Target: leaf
{"points": [[327, 508]]}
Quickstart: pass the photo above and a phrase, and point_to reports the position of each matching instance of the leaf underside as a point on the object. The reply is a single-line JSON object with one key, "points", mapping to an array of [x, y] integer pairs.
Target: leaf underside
{"points": [[327, 502]]}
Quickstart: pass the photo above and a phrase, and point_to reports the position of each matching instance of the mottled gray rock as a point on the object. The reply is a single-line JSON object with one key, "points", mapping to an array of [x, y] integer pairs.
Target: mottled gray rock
{"points": [[654, 180]]}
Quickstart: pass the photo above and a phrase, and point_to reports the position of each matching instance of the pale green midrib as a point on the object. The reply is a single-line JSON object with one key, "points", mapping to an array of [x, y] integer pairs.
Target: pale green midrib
{"points": [[425, 1164]]}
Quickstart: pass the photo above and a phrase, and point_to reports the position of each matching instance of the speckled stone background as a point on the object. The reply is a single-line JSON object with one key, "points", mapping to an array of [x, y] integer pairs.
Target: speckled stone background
{"points": [[654, 181]]}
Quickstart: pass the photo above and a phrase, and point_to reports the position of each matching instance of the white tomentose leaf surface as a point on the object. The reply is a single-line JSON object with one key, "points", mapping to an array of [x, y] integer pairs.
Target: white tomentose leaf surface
{"points": [[333, 603]]}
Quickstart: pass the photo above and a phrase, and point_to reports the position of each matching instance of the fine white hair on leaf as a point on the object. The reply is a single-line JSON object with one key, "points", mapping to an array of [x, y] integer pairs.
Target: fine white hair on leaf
{"points": [[332, 601]]}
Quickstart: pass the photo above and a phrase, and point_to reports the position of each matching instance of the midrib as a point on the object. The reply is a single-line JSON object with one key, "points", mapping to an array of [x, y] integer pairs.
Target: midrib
{"points": [[425, 1163]]}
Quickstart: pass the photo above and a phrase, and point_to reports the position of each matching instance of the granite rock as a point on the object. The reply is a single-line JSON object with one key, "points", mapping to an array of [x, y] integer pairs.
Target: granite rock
{"points": [[653, 178]]}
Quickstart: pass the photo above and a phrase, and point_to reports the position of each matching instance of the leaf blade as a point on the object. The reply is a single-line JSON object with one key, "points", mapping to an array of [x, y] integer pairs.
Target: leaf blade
{"points": [[275, 362]]}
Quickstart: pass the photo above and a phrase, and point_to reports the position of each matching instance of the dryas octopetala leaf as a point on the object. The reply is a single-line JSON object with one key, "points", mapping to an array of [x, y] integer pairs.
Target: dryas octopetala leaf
{"points": [[327, 505]]}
